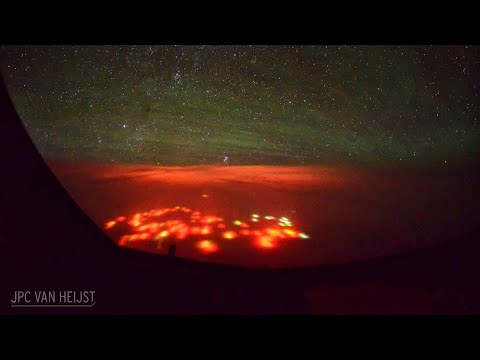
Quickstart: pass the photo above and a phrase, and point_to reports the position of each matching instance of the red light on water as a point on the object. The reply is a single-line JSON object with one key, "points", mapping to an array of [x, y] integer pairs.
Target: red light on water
{"points": [[274, 232], [229, 235], [134, 237], [195, 230], [206, 230], [145, 236], [152, 227], [135, 220], [110, 224], [290, 232], [182, 233], [178, 223], [207, 246], [265, 242], [123, 240], [208, 219]]}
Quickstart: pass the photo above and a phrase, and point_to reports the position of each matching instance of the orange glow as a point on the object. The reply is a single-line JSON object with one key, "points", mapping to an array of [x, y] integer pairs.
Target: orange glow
{"points": [[145, 236], [182, 235], [209, 219], [136, 220], [174, 223], [175, 227], [123, 240], [195, 230], [207, 246], [265, 242], [110, 224], [158, 237], [204, 196], [290, 232], [182, 232], [206, 230], [153, 227], [274, 232], [229, 235]]}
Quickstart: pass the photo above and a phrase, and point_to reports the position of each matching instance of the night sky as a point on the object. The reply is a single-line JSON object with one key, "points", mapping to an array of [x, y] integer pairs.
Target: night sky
{"points": [[299, 105]]}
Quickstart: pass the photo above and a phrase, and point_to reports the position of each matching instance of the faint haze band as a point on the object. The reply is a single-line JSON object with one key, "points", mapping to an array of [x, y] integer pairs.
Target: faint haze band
{"points": [[188, 105]]}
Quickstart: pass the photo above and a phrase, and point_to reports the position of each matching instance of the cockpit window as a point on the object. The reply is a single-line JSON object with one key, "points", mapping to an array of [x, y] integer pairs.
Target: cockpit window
{"points": [[255, 155]]}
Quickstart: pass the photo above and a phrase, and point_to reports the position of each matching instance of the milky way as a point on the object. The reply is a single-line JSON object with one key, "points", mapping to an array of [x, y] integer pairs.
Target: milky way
{"points": [[187, 105]]}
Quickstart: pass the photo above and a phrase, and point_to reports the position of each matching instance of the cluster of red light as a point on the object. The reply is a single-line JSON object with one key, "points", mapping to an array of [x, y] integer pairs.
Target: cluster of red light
{"points": [[176, 224]]}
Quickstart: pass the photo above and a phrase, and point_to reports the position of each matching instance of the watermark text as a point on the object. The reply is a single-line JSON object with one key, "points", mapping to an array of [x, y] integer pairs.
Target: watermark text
{"points": [[49, 298]]}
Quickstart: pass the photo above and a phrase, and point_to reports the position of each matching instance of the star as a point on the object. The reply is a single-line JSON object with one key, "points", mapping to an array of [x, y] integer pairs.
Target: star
{"points": [[261, 104]]}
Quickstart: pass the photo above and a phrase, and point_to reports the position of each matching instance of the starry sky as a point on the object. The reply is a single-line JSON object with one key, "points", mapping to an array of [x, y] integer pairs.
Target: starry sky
{"points": [[298, 105]]}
